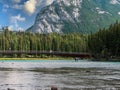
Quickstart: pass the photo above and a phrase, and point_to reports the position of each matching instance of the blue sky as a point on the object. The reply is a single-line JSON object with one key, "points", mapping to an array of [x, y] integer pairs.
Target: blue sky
{"points": [[20, 14]]}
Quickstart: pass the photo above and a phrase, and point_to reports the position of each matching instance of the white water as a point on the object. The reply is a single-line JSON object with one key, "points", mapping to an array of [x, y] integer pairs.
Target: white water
{"points": [[64, 74]]}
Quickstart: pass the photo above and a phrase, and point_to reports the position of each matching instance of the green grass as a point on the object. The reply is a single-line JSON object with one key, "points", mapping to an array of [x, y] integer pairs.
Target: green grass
{"points": [[48, 58]]}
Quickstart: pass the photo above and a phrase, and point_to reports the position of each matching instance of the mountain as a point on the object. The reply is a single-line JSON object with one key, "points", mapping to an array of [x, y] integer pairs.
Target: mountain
{"points": [[85, 16]]}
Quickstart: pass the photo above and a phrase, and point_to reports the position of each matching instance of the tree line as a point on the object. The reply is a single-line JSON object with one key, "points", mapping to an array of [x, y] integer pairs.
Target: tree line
{"points": [[27, 41], [106, 42], [103, 44]]}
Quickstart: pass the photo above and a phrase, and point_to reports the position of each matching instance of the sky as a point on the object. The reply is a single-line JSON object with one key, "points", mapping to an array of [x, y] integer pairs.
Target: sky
{"points": [[20, 14]]}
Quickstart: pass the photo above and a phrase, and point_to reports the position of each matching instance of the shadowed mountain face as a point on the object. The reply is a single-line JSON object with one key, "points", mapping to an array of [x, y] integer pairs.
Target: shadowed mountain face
{"points": [[85, 16]]}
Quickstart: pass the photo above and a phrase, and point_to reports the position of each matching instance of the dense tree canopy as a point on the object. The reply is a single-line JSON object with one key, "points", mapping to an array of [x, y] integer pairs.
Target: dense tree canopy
{"points": [[106, 42], [27, 41], [102, 44]]}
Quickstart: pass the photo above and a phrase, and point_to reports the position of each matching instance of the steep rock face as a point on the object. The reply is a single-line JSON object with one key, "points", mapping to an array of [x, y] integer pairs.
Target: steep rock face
{"points": [[65, 16]]}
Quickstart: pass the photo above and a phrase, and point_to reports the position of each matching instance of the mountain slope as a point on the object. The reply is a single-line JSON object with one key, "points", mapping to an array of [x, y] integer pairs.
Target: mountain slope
{"points": [[65, 16]]}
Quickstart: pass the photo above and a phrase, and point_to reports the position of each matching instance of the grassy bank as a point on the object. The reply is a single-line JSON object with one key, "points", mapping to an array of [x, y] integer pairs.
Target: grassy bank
{"points": [[47, 58]]}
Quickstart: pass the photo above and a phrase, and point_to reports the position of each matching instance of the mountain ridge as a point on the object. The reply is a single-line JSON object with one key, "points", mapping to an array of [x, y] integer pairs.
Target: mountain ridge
{"points": [[84, 16]]}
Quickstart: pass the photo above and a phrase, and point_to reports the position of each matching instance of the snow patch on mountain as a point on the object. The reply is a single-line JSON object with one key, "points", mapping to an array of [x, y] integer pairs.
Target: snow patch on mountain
{"points": [[101, 11], [118, 13], [76, 12], [51, 18], [115, 2], [63, 16], [70, 2]]}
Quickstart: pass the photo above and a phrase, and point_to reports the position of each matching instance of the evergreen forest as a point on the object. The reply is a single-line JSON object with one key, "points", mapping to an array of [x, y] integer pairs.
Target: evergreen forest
{"points": [[103, 44], [106, 42], [27, 41]]}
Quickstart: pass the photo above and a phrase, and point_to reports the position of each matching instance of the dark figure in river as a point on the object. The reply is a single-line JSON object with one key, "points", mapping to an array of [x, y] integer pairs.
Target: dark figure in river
{"points": [[10, 89], [76, 59], [54, 88]]}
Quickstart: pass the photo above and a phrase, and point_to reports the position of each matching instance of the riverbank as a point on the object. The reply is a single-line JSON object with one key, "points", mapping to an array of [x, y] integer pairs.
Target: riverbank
{"points": [[48, 58], [117, 59]]}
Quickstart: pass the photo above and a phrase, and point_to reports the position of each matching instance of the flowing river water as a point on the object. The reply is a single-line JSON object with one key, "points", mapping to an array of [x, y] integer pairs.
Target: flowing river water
{"points": [[63, 74]]}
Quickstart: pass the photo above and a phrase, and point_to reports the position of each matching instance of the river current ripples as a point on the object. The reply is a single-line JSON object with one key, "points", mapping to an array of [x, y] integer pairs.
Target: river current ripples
{"points": [[63, 74]]}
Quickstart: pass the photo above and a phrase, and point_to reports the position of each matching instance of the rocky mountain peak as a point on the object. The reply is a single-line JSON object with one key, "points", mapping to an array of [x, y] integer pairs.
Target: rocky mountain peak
{"points": [[64, 16]]}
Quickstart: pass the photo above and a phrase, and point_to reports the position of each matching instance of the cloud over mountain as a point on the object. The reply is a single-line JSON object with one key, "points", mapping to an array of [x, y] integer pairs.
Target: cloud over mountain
{"points": [[44, 2], [30, 6]]}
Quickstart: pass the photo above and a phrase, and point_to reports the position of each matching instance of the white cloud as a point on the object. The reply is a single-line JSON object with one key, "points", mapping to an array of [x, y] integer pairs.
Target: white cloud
{"points": [[16, 6], [44, 2], [30, 6], [10, 27], [16, 1], [49, 2], [20, 29], [5, 8], [15, 19]]}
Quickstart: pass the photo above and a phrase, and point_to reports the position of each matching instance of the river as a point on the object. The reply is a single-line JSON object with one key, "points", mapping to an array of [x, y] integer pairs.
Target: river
{"points": [[63, 74]]}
